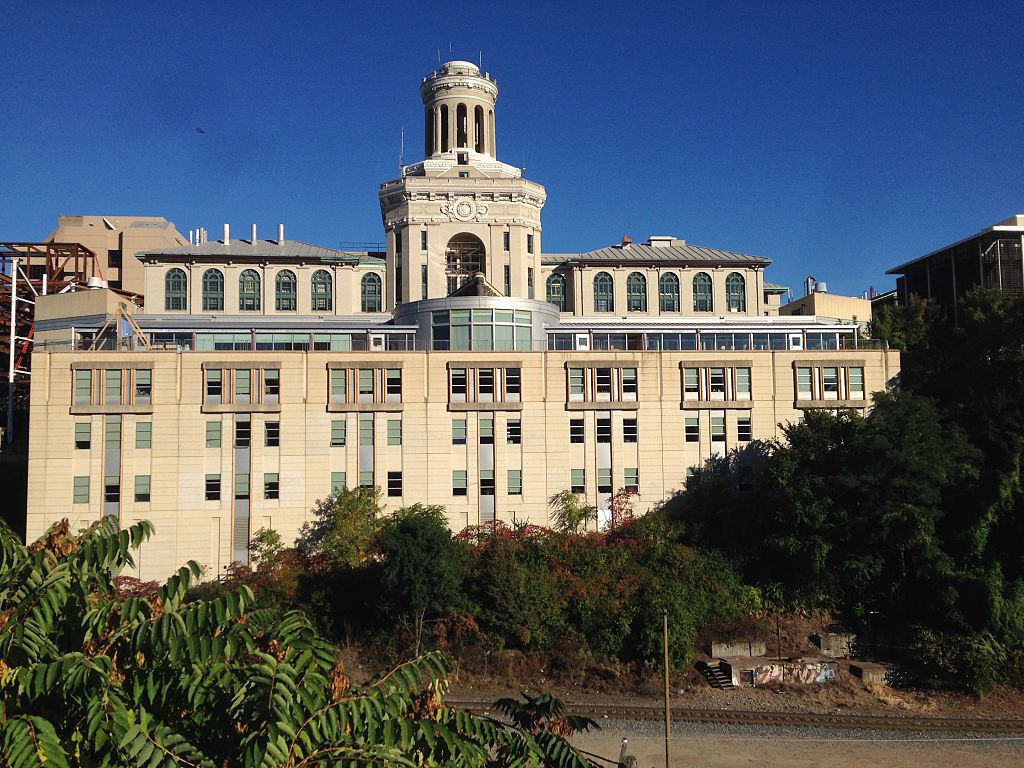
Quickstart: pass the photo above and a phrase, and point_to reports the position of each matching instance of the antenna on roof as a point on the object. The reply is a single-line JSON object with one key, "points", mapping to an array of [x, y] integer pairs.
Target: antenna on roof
{"points": [[401, 150], [438, 57], [481, 60], [449, 47]]}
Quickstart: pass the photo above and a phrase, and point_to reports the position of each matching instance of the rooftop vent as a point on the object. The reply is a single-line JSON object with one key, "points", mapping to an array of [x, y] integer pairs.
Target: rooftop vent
{"points": [[627, 240]]}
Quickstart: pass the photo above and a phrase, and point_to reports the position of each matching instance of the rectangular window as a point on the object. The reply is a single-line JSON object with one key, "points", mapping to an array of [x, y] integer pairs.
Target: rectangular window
{"points": [[604, 430], [459, 482], [111, 387], [214, 385], [529, 243], [604, 480], [338, 381], [143, 385], [338, 427], [458, 431], [393, 384], [508, 280], [691, 383], [514, 431], [271, 485], [112, 433], [338, 481], [856, 383], [505, 241], [144, 434], [576, 383], [83, 435], [716, 382], [243, 433], [529, 274], [744, 429], [632, 479], [366, 431], [366, 478], [830, 382], [394, 483], [242, 485], [83, 387], [515, 482], [271, 385], [803, 383], [743, 383], [459, 386], [717, 427], [692, 429], [486, 431], [112, 489], [423, 239], [577, 431], [213, 487], [630, 431], [366, 385], [604, 382], [578, 480], [243, 386], [486, 482], [485, 383], [423, 282], [629, 384], [513, 381], [394, 431], [142, 488], [81, 490], [272, 434], [213, 434]]}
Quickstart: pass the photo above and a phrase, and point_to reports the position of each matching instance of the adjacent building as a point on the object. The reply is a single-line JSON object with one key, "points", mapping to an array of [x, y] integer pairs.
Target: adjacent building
{"points": [[460, 365]]}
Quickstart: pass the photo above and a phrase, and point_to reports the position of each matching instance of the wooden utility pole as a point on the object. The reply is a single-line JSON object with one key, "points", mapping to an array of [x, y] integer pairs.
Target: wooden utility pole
{"points": [[668, 716]]}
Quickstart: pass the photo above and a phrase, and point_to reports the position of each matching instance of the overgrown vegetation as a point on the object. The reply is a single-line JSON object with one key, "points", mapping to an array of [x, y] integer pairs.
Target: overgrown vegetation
{"points": [[100, 673]]}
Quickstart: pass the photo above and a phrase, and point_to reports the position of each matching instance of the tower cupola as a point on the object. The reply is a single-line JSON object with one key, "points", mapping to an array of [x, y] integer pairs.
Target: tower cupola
{"points": [[458, 105]]}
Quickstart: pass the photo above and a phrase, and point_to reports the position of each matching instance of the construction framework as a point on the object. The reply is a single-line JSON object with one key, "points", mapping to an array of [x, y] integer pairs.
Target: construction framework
{"points": [[27, 271]]}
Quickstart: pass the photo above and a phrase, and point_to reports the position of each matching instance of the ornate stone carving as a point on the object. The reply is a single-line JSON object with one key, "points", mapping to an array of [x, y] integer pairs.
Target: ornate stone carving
{"points": [[464, 209]]}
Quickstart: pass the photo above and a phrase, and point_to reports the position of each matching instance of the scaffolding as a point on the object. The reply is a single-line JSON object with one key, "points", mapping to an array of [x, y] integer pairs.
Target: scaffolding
{"points": [[27, 271], [1003, 267]]}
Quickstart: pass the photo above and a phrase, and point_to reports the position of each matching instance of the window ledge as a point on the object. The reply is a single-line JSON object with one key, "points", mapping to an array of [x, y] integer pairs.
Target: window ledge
{"points": [[716, 405], [806, 404], [112, 408], [496, 406], [365, 407], [603, 405], [241, 408]]}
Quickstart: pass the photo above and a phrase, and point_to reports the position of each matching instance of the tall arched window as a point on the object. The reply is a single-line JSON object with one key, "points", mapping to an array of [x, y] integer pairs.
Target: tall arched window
{"points": [[461, 132], [249, 291], [444, 128], [175, 290], [735, 293], [464, 257], [668, 292], [213, 290], [286, 295], [556, 290], [370, 292], [322, 291], [702, 300], [604, 299], [636, 293]]}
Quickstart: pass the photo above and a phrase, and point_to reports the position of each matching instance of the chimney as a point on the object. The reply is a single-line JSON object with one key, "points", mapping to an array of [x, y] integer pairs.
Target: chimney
{"points": [[627, 240], [191, 237], [252, 237], [227, 235], [280, 233]]}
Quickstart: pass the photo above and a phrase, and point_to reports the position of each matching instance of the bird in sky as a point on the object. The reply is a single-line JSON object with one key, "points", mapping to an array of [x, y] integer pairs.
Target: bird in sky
{"points": [[200, 130]]}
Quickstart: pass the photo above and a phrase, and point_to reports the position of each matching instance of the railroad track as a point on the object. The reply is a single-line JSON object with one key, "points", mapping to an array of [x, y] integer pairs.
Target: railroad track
{"points": [[791, 719]]}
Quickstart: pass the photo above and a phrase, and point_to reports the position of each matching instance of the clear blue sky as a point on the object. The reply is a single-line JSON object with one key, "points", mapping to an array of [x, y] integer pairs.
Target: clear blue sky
{"points": [[837, 141]]}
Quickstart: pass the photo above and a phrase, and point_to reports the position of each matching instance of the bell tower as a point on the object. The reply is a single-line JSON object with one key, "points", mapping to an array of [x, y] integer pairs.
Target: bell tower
{"points": [[460, 211]]}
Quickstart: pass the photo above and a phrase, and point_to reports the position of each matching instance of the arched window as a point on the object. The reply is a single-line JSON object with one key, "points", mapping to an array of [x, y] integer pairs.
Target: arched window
{"points": [[321, 290], [461, 132], [176, 290], [286, 297], [249, 291], [464, 257], [444, 129], [735, 293], [636, 293], [370, 292], [478, 129], [702, 300], [604, 300], [556, 290], [213, 290], [668, 292]]}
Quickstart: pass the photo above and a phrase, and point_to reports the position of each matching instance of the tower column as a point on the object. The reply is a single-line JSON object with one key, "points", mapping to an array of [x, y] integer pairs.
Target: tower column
{"points": [[437, 130]]}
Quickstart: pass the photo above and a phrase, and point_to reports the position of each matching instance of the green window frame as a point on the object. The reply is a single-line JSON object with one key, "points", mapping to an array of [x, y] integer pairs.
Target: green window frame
{"points": [[703, 300], [144, 434], [80, 492], [366, 478], [691, 382], [459, 482], [856, 376], [604, 293], [515, 482], [576, 382], [272, 434], [394, 431], [322, 291], [83, 435], [112, 380], [486, 431], [717, 428], [286, 294], [339, 480], [691, 429], [271, 485], [112, 433], [83, 387], [631, 479], [636, 292], [604, 479], [175, 290], [213, 432], [142, 489], [339, 380], [212, 487], [743, 381], [339, 432], [459, 432], [243, 385], [744, 429], [143, 385], [735, 293], [370, 293], [668, 292], [803, 381], [213, 290], [249, 291], [241, 485], [578, 480], [366, 432]]}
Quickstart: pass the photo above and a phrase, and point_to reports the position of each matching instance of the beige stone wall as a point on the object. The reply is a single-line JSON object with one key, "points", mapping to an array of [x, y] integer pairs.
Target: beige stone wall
{"points": [[188, 527], [830, 305]]}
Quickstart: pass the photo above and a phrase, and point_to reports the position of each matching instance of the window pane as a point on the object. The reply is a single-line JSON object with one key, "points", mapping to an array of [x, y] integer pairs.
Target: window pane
{"points": [[144, 434]]}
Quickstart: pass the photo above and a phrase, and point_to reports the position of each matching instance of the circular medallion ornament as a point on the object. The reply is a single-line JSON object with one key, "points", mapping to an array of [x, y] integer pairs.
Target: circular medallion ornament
{"points": [[463, 209]]}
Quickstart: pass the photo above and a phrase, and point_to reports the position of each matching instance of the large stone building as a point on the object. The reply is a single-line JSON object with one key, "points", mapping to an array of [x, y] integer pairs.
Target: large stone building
{"points": [[460, 366]]}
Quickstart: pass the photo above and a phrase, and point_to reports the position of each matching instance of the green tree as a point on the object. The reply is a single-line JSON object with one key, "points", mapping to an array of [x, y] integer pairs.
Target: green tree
{"points": [[570, 513], [342, 528], [91, 678]]}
